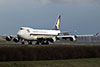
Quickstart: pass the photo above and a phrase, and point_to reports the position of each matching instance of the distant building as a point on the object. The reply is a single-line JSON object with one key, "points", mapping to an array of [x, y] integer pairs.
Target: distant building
{"points": [[88, 38]]}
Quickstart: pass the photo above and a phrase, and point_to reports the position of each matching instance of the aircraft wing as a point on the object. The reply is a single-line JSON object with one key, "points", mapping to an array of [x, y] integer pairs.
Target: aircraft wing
{"points": [[65, 37]]}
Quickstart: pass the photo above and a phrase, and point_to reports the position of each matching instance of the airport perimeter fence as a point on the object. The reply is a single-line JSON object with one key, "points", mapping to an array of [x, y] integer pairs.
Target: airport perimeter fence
{"points": [[88, 39]]}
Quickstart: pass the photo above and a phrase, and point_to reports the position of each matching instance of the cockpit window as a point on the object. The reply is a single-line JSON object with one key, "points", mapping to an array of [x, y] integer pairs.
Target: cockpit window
{"points": [[21, 29], [28, 30]]}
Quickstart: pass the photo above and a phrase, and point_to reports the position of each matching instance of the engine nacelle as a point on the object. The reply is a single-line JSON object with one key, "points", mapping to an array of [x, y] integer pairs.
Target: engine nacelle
{"points": [[16, 40], [71, 39], [8, 38], [52, 39]]}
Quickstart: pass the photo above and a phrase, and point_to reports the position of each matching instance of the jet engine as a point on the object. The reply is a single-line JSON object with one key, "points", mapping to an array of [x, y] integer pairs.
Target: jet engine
{"points": [[16, 40], [52, 39], [9, 38]]}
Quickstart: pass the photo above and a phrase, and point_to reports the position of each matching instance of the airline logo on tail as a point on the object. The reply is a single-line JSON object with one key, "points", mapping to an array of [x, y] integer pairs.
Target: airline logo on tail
{"points": [[58, 23]]}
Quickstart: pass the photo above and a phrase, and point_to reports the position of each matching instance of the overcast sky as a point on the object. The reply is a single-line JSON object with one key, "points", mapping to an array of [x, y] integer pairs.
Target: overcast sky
{"points": [[78, 16]]}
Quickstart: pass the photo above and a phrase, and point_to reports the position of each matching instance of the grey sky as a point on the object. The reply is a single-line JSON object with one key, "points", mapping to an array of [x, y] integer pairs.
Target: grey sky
{"points": [[80, 15]]}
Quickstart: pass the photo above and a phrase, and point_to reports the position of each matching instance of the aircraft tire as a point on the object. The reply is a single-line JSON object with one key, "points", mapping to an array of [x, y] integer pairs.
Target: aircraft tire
{"points": [[37, 43], [45, 43], [23, 42], [30, 42]]}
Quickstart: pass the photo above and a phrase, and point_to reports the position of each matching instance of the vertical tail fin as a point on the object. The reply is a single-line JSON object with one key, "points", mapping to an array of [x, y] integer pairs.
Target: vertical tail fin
{"points": [[57, 26]]}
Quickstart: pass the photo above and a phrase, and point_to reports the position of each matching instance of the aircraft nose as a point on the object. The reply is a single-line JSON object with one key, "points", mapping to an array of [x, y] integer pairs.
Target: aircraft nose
{"points": [[19, 33]]}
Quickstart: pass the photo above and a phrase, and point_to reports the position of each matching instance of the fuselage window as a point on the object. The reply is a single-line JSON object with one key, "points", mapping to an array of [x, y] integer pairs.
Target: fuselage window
{"points": [[21, 29], [28, 30]]}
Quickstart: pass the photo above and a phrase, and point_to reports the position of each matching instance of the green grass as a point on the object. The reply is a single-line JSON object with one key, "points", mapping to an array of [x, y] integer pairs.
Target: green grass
{"points": [[94, 62], [2, 40]]}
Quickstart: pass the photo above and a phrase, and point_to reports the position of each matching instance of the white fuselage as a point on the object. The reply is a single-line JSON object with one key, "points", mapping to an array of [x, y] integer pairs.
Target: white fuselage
{"points": [[33, 34]]}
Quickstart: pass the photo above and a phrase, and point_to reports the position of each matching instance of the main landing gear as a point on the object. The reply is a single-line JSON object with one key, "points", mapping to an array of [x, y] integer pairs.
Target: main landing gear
{"points": [[46, 42], [42, 43]]}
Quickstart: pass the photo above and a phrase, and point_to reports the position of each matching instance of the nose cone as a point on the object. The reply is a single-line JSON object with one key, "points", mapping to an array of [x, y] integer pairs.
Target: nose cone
{"points": [[19, 34], [22, 34]]}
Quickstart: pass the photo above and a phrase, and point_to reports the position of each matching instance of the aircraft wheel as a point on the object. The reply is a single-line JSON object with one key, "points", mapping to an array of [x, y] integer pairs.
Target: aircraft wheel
{"points": [[23, 42], [42, 43], [30, 42], [47, 42], [37, 43]]}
